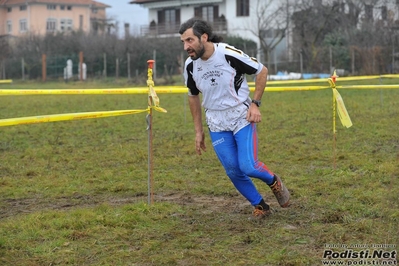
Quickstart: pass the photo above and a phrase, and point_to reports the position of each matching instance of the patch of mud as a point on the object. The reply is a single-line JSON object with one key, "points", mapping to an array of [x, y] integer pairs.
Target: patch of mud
{"points": [[12, 207], [205, 204]]}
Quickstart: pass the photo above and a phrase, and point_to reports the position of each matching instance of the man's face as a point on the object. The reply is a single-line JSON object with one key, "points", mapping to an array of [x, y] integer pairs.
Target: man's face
{"points": [[192, 44]]}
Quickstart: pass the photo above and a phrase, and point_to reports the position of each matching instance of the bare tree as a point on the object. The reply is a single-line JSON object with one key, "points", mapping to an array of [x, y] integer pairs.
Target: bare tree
{"points": [[360, 34], [29, 47], [271, 24], [311, 23]]}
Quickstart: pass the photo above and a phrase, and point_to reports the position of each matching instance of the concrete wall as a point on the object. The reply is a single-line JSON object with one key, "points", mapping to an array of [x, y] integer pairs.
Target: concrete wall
{"points": [[37, 15]]}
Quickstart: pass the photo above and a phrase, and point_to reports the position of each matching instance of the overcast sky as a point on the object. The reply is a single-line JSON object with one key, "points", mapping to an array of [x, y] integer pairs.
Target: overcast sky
{"points": [[124, 12]]}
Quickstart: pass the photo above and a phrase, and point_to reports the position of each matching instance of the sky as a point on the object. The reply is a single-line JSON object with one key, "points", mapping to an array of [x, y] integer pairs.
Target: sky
{"points": [[124, 12]]}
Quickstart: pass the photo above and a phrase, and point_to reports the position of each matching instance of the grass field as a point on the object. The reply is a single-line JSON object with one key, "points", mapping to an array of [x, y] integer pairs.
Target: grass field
{"points": [[75, 192]]}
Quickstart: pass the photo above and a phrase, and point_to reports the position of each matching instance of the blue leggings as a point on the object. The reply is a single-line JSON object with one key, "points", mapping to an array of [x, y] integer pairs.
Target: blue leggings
{"points": [[238, 154]]}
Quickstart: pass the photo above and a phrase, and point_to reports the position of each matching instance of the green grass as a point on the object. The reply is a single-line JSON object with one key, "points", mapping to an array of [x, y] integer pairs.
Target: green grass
{"points": [[75, 192]]}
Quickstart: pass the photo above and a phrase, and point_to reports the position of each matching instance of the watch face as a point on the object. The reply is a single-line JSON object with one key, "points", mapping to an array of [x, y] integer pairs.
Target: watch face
{"points": [[256, 102]]}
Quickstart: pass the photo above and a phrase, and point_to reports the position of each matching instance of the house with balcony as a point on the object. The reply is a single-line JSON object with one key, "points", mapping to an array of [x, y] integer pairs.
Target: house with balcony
{"points": [[228, 17], [165, 16], [256, 20], [18, 17]]}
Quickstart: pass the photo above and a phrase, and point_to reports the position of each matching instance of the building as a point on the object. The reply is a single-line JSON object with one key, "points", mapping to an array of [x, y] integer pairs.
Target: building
{"points": [[165, 16], [257, 20], [228, 17], [18, 17]]}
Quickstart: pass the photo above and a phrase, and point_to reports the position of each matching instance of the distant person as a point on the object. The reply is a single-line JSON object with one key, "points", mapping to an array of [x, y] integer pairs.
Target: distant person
{"points": [[218, 70]]}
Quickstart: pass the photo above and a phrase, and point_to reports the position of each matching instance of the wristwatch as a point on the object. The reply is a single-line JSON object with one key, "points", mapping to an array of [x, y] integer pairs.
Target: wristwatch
{"points": [[258, 103]]}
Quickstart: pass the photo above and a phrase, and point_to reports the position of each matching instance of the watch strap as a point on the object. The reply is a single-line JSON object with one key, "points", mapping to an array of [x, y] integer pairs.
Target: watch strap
{"points": [[258, 103]]}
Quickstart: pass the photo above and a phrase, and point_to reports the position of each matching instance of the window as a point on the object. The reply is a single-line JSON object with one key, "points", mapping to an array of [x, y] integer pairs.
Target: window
{"points": [[384, 13], [9, 9], [51, 7], [23, 25], [208, 13], [9, 26], [169, 18], [69, 7], [81, 22], [368, 10], [51, 25], [62, 7], [94, 10], [242, 8], [23, 8], [66, 24]]}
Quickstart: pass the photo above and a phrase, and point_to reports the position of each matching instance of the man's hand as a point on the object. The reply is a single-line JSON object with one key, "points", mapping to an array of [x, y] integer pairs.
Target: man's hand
{"points": [[253, 114], [200, 142]]}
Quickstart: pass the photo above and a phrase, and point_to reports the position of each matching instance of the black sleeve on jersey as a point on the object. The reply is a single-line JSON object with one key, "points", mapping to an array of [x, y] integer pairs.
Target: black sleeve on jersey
{"points": [[191, 85], [241, 67]]}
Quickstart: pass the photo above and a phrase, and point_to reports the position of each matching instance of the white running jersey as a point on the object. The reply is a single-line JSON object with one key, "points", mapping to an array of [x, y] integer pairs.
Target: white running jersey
{"points": [[221, 79]]}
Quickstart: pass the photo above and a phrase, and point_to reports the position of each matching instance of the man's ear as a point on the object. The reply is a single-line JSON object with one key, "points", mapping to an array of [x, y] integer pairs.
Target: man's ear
{"points": [[204, 37]]}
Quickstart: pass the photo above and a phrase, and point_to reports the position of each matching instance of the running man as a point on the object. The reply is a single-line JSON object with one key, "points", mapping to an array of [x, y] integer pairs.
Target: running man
{"points": [[218, 71]]}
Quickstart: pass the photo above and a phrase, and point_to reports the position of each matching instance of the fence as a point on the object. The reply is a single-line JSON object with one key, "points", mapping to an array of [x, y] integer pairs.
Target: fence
{"points": [[98, 66], [352, 60]]}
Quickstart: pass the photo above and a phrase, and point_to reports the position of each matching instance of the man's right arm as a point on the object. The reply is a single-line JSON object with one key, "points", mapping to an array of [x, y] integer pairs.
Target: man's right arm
{"points": [[196, 112]]}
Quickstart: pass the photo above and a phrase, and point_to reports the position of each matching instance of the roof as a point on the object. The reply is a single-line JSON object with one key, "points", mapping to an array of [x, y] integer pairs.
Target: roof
{"points": [[98, 4], [145, 1], [66, 2]]}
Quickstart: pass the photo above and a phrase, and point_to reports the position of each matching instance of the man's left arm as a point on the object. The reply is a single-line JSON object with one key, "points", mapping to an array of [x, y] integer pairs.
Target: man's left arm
{"points": [[253, 114]]}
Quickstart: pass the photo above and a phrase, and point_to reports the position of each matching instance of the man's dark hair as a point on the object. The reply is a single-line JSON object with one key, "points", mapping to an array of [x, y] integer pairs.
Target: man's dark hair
{"points": [[200, 27]]}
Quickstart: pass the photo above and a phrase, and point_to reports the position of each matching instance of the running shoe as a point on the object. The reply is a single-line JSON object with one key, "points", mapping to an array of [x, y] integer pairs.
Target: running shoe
{"points": [[280, 192]]}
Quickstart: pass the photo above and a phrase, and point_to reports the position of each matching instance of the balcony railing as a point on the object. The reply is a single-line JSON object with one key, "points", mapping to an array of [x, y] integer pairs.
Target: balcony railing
{"points": [[219, 27]]}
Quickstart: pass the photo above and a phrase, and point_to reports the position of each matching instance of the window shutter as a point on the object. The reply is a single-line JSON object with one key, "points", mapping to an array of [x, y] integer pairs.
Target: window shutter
{"points": [[178, 16], [216, 12], [161, 17], [198, 12]]}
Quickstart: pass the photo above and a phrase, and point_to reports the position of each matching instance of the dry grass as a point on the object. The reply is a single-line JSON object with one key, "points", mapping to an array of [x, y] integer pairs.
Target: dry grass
{"points": [[75, 193]]}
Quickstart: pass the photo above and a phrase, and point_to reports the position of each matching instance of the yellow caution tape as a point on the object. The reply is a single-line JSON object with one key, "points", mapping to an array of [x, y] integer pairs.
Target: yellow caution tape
{"points": [[65, 117], [341, 109], [139, 90], [153, 95], [342, 112], [368, 87], [298, 88]]}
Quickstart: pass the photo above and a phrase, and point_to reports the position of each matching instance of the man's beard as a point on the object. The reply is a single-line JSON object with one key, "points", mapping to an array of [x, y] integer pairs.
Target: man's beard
{"points": [[199, 53]]}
